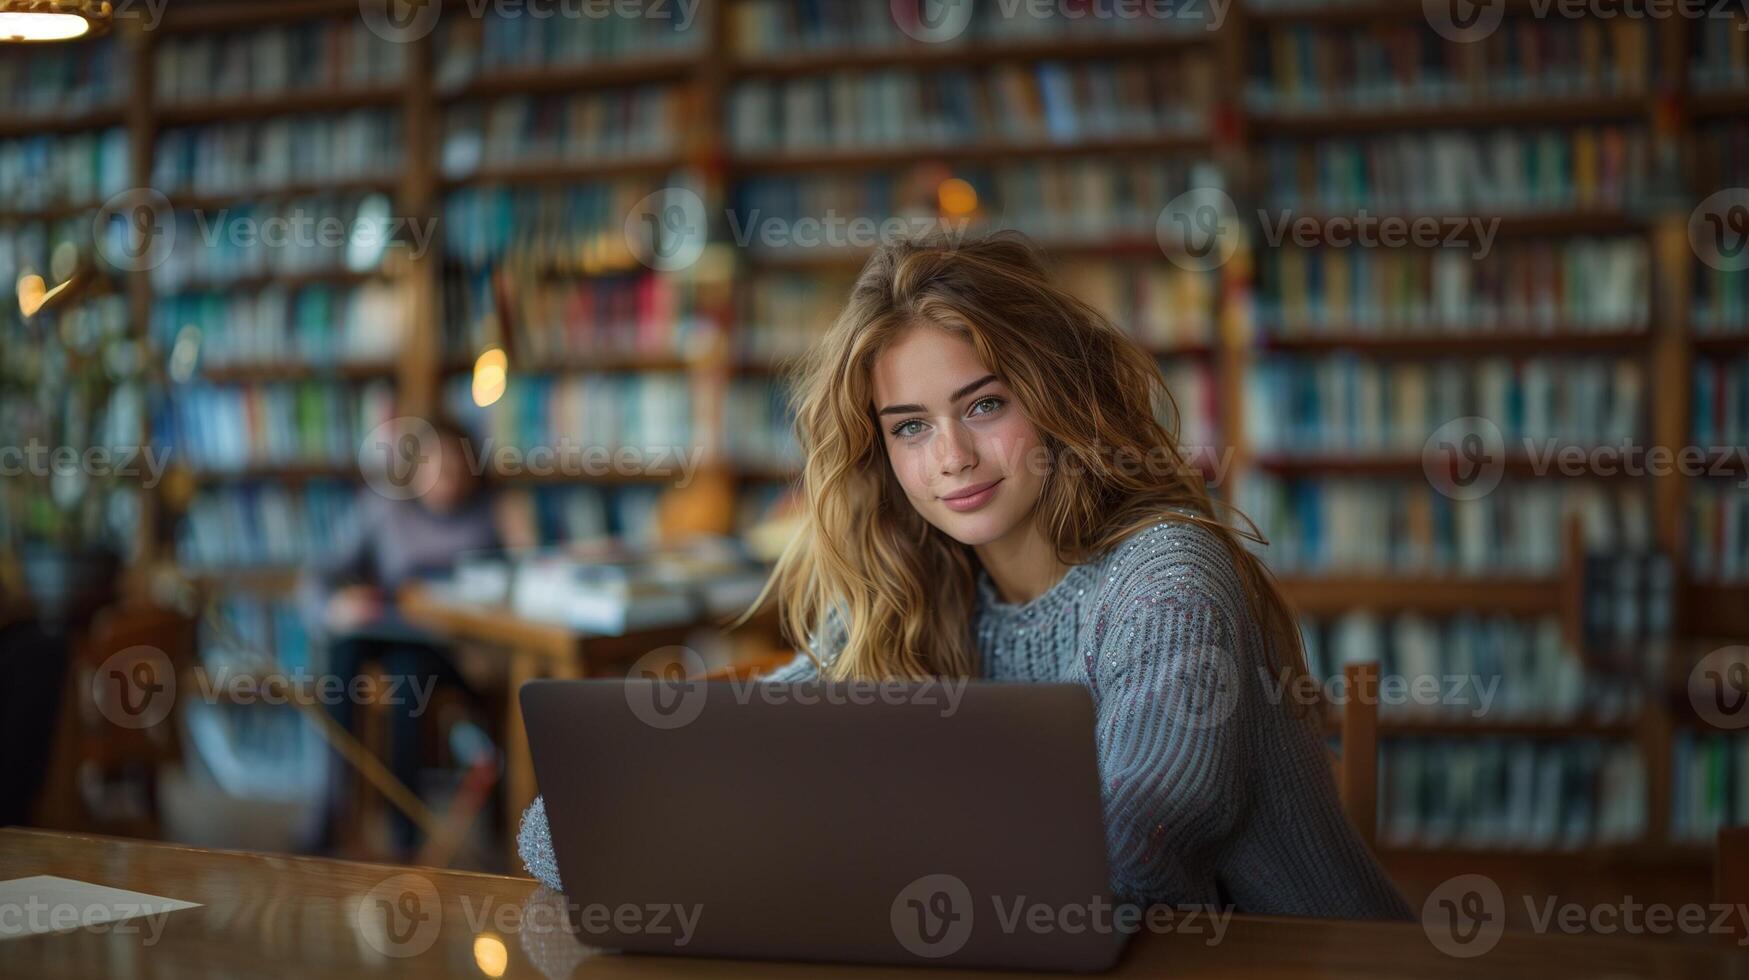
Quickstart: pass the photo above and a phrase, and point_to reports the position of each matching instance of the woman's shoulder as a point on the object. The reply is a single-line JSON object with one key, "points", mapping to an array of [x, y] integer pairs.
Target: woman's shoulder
{"points": [[1178, 554]]}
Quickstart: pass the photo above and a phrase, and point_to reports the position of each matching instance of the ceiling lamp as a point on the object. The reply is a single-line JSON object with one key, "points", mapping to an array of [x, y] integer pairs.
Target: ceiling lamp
{"points": [[53, 20]]}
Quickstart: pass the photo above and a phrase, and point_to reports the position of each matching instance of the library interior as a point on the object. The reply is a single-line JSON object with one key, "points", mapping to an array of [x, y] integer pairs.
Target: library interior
{"points": [[319, 461]]}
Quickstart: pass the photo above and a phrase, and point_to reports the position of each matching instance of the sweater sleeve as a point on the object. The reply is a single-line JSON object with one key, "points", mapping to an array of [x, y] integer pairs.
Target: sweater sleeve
{"points": [[1183, 723]]}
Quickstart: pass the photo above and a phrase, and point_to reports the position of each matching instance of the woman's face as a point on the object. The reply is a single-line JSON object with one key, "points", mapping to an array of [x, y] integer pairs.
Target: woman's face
{"points": [[950, 426]]}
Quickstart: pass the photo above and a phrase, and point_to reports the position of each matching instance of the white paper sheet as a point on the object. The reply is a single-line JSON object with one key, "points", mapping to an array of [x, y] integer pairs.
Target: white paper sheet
{"points": [[45, 903]]}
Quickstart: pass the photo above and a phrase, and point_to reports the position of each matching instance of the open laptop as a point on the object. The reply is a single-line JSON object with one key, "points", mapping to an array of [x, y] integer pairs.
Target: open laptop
{"points": [[922, 823]]}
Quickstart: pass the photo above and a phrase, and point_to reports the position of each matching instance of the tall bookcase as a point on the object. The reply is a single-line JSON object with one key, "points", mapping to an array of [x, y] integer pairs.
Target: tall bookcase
{"points": [[506, 144]]}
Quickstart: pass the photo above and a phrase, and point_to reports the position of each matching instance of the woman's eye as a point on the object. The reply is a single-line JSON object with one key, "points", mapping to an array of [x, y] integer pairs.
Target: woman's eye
{"points": [[904, 428], [992, 401]]}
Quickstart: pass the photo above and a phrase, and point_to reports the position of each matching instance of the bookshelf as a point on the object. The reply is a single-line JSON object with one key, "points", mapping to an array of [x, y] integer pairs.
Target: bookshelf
{"points": [[530, 257]]}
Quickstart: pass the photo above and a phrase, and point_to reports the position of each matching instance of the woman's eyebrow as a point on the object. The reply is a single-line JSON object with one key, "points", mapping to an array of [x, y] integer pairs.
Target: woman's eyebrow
{"points": [[963, 392]]}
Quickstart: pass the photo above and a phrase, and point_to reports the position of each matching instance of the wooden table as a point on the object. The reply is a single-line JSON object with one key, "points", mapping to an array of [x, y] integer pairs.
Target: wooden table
{"points": [[269, 916], [532, 649]]}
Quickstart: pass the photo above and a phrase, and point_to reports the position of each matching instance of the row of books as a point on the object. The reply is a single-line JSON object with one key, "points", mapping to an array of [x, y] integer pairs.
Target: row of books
{"points": [[245, 629], [1195, 394], [1709, 784], [1721, 402], [638, 122], [758, 426], [1474, 668], [1344, 403], [779, 314], [1501, 171], [269, 154], [234, 428], [564, 228], [567, 321], [559, 33], [1718, 531], [770, 28], [262, 525], [577, 414], [74, 169], [1390, 527], [1583, 282], [328, 55], [1164, 307], [1092, 200], [276, 328], [1409, 63], [54, 79], [1718, 56], [579, 512], [314, 235], [1050, 101], [1721, 302], [1511, 793]]}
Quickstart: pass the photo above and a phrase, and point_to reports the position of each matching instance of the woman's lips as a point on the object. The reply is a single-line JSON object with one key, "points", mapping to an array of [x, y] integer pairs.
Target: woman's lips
{"points": [[975, 500]]}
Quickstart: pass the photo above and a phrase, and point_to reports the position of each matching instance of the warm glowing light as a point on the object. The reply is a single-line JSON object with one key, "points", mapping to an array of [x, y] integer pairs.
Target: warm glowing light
{"points": [[491, 372], [957, 196], [32, 292], [17, 26], [490, 955]]}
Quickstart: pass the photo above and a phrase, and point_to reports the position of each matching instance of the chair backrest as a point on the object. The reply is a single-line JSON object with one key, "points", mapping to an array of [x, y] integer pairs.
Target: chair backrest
{"points": [[1731, 876], [1357, 771]]}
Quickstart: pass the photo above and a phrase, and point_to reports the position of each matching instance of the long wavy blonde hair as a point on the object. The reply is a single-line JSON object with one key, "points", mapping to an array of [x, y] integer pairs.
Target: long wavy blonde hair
{"points": [[904, 590]]}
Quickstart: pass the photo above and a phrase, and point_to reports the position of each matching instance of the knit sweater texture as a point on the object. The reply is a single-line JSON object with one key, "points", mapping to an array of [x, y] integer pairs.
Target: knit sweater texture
{"points": [[1216, 790]]}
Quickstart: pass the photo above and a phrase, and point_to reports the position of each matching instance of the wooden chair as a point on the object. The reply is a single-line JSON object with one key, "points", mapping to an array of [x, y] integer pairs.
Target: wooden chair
{"points": [[1731, 876], [1357, 770]]}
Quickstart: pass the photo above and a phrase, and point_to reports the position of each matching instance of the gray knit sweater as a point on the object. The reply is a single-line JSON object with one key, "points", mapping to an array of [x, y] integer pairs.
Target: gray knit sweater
{"points": [[1214, 792]]}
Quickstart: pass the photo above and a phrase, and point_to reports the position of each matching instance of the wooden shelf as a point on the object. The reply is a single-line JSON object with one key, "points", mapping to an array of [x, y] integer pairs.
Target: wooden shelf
{"points": [[1113, 245], [1335, 120], [1716, 611], [14, 126], [1386, 593], [231, 199], [1481, 343], [606, 363], [293, 371], [1722, 343], [1692, 858], [287, 280], [971, 53], [1463, 225], [567, 79], [1733, 102], [56, 212], [565, 171], [190, 18], [252, 109], [1462, 727], [892, 156], [289, 472], [273, 580]]}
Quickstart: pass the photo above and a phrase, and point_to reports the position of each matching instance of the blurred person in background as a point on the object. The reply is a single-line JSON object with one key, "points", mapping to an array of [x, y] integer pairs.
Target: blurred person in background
{"points": [[349, 599]]}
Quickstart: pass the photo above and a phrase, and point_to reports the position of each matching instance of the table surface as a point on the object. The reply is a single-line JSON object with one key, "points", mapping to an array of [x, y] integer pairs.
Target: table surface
{"points": [[276, 915]]}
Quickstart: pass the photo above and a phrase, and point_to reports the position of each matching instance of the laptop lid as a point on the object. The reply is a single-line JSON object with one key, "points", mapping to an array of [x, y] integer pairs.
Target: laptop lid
{"points": [[917, 823]]}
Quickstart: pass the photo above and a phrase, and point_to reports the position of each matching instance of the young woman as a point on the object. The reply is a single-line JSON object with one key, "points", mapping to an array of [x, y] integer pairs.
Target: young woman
{"points": [[990, 493]]}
